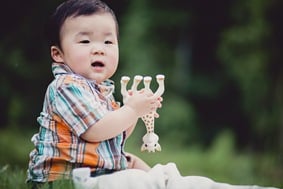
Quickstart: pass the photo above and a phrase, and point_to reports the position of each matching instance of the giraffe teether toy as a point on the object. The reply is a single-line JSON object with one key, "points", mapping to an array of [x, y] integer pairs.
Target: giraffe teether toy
{"points": [[150, 139]]}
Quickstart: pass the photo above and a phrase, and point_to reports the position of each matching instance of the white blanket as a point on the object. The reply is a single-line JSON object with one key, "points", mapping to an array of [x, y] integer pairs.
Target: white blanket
{"points": [[159, 177]]}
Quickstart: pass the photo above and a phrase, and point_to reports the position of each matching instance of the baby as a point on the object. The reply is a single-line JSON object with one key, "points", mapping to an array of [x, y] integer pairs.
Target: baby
{"points": [[81, 124]]}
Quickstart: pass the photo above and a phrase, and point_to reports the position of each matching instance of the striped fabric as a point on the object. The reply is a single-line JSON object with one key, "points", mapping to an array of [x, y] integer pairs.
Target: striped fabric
{"points": [[72, 104]]}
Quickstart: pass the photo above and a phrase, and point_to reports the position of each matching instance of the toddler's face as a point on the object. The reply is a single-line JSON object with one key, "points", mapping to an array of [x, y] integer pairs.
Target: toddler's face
{"points": [[90, 45]]}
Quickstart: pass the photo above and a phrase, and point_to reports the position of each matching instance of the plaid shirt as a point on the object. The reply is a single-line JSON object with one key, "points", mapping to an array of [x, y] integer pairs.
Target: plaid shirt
{"points": [[72, 104]]}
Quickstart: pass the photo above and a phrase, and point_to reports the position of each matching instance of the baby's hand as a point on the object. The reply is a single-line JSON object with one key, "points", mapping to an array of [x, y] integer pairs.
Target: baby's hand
{"points": [[142, 102], [159, 105]]}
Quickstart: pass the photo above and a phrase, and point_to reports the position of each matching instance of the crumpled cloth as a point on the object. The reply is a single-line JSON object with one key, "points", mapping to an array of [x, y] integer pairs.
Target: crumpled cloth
{"points": [[159, 177]]}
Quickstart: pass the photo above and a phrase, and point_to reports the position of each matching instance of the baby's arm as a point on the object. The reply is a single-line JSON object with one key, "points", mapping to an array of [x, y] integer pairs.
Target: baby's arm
{"points": [[130, 130], [115, 122]]}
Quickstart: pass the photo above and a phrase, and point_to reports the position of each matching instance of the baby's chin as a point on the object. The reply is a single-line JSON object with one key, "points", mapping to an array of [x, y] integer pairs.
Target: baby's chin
{"points": [[98, 78]]}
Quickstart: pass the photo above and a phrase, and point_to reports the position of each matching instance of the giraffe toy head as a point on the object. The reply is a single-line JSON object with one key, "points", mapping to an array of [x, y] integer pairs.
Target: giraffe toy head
{"points": [[150, 142]]}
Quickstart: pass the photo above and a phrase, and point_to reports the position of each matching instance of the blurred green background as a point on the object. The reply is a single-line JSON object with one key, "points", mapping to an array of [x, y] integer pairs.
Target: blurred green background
{"points": [[222, 114]]}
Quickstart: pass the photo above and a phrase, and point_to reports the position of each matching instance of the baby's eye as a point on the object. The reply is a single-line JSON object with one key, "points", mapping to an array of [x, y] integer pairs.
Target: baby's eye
{"points": [[84, 41], [108, 42]]}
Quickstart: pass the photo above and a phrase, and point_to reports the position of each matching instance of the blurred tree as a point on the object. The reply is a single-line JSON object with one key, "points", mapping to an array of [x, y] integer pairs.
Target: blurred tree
{"points": [[154, 41], [275, 68], [210, 89], [247, 53], [25, 61], [221, 60]]}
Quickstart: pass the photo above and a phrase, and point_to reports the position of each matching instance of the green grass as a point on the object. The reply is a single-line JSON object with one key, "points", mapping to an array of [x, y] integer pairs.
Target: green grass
{"points": [[221, 162], [14, 178]]}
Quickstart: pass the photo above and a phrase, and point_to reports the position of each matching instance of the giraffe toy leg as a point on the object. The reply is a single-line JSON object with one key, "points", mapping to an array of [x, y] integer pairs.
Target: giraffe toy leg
{"points": [[124, 82]]}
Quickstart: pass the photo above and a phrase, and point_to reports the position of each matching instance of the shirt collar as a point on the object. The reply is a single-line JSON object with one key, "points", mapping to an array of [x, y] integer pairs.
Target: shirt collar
{"points": [[60, 68], [106, 87]]}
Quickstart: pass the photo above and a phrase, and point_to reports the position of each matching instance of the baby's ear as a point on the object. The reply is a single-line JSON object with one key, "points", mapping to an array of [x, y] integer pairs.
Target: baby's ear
{"points": [[56, 54]]}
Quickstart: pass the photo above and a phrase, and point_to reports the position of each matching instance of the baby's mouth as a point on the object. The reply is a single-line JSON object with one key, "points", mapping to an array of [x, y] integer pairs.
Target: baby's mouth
{"points": [[97, 64]]}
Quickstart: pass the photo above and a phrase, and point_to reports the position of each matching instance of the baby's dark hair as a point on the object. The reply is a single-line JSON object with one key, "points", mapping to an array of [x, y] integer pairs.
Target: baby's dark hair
{"points": [[73, 8]]}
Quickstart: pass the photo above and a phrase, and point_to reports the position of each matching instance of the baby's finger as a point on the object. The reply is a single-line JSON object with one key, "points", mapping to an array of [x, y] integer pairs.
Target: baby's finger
{"points": [[158, 104], [130, 92], [156, 115]]}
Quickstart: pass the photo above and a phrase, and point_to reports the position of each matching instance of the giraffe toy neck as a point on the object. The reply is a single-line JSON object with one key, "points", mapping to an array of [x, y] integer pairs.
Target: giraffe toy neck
{"points": [[148, 120]]}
